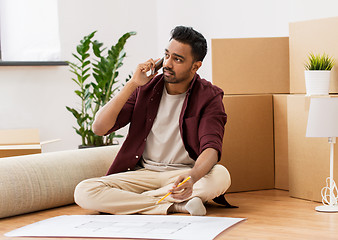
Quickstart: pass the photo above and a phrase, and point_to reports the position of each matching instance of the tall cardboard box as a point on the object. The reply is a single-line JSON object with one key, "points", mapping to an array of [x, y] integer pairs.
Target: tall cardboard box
{"points": [[316, 36], [251, 65], [309, 158], [248, 142], [281, 141], [14, 142]]}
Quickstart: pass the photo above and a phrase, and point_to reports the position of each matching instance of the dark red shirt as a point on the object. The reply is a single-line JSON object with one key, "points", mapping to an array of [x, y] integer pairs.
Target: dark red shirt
{"points": [[202, 120]]}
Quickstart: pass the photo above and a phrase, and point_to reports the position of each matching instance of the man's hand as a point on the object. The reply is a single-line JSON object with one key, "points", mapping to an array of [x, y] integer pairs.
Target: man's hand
{"points": [[140, 77], [204, 163], [106, 117], [185, 190]]}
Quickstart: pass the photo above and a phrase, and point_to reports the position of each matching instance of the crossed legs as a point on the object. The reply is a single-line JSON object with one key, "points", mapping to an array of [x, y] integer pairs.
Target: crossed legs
{"points": [[138, 191]]}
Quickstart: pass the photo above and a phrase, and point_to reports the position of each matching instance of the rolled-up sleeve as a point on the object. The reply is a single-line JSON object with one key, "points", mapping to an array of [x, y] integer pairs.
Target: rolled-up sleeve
{"points": [[211, 126], [125, 114]]}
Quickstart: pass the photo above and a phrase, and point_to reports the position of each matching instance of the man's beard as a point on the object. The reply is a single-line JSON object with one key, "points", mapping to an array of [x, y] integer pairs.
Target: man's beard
{"points": [[172, 77]]}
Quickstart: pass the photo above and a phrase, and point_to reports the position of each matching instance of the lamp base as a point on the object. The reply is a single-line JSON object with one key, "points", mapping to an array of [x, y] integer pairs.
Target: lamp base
{"points": [[327, 208]]}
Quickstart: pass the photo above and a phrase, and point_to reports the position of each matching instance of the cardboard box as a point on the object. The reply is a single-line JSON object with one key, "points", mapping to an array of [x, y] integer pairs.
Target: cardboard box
{"points": [[248, 142], [315, 36], [309, 158], [281, 141], [251, 65], [16, 142]]}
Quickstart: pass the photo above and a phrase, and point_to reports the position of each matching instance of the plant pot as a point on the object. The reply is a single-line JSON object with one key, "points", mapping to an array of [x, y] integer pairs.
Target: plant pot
{"points": [[91, 146], [317, 82]]}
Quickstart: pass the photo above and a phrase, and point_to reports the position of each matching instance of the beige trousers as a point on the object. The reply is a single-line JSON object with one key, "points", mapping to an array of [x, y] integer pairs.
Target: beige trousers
{"points": [[138, 191]]}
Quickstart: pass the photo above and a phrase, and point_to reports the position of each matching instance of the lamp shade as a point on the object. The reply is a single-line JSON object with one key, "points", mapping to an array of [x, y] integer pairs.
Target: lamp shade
{"points": [[323, 118]]}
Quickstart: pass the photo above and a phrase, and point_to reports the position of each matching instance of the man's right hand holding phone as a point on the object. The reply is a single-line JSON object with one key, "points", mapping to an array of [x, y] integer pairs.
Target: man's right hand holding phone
{"points": [[140, 76], [106, 117]]}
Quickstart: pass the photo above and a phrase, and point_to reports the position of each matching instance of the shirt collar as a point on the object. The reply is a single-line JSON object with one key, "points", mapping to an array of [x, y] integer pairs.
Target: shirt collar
{"points": [[193, 82]]}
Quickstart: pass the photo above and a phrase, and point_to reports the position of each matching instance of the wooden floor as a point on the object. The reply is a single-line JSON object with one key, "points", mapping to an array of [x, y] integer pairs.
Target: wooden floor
{"points": [[270, 214]]}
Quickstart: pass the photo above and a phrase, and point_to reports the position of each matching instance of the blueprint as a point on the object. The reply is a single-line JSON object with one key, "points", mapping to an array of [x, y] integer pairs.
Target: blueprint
{"points": [[128, 226]]}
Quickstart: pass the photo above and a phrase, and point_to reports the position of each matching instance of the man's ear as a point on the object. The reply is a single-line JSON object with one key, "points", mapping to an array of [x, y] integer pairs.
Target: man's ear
{"points": [[196, 65]]}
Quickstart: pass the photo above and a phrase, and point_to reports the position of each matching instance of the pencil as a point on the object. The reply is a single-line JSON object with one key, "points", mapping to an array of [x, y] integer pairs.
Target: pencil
{"points": [[185, 180]]}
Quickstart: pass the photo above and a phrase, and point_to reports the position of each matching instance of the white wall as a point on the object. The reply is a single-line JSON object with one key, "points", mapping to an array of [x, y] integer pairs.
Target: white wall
{"points": [[35, 97], [238, 19]]}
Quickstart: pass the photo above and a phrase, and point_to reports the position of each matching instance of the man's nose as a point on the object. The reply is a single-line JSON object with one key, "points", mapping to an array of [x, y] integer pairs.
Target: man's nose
{"points": [[167, 63]]}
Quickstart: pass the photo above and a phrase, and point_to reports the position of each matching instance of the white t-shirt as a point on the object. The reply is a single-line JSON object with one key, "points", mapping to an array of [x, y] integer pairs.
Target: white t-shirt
{"points": [[164, 148]]}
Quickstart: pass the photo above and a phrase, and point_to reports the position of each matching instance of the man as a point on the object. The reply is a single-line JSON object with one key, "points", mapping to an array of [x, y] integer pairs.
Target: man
{"points": [[176, 130]]}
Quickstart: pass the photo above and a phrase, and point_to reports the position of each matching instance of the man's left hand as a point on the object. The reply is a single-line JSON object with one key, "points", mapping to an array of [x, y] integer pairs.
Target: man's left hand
{"points": [[185, 190]]}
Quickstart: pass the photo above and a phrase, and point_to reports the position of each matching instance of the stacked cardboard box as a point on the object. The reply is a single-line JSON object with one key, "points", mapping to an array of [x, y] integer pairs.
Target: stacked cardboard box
{"points": [[248, 142], [252, 69], [14, 142], [316, 36], [308, 157], [251, 65], [281, 141]]}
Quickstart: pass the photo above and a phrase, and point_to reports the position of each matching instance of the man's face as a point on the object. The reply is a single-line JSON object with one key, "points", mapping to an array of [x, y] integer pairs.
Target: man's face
{"points": [[178, 63]]}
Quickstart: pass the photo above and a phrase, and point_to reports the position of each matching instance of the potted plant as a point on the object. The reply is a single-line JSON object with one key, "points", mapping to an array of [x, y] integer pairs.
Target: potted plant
{"points": [[317, 74], [96, 74]]}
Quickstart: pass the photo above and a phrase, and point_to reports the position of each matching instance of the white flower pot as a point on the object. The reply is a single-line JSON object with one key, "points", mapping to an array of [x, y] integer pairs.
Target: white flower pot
{"points": [[317, 82]]}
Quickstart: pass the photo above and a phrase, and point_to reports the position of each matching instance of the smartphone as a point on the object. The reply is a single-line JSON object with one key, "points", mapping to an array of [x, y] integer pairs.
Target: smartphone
{"points": [[158, 65]]}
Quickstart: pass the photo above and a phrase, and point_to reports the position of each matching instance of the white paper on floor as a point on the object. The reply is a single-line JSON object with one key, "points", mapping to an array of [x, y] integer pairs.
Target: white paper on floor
{"points": [[128, 226]]}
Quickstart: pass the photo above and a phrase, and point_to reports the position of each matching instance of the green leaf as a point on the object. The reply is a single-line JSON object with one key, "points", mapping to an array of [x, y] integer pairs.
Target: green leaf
{"points": [[85, 77], [319, 62], [76, 81], [85, 56], [74, 66], [79, 49], [87, 94], [96, 48], [79, 93], [88, 104], [78, 131], [92, 34], [75, 113], [85, 71], [119, 136], [85, 64], [77, 57]]}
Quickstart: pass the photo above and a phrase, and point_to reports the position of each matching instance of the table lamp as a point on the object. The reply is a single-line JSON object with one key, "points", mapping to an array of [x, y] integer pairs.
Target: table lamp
{"points": [[323, 122]]}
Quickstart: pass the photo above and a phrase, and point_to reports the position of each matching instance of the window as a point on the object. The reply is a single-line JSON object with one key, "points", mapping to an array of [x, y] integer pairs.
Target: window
{"points": [[29, 30]]}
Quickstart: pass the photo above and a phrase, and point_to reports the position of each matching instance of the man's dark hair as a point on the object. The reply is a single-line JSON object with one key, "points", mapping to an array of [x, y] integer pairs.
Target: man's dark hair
{"points": [[190, 36]]}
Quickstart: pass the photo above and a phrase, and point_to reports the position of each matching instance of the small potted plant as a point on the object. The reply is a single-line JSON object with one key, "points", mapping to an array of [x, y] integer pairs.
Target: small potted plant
{"points": [[96, 72], [317, 74]]}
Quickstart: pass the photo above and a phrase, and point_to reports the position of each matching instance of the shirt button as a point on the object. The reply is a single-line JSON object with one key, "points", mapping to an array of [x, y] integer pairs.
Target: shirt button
{"points": [[145, 139], [151, 99], [149, 119], [128, 169], [136, 156]]}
